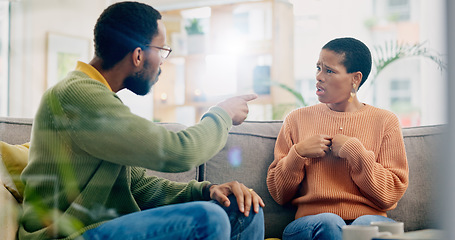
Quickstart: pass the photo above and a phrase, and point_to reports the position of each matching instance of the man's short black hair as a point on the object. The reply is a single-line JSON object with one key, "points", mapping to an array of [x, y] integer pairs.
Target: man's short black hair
{"points": [[121, 28], [357, 56]]}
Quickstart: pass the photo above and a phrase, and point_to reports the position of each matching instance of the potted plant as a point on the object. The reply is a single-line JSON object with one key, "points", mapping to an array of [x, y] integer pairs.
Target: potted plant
{"points": [[194, 27], [196, 36]]}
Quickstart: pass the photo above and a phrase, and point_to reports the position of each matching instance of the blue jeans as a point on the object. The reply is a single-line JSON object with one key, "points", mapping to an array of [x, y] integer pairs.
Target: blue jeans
{"points": [[324, 226], [192, 220]]}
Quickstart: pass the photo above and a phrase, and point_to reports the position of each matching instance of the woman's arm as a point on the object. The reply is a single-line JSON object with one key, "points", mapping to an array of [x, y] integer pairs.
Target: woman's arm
{"points": [[287, 170], [382, 179]]}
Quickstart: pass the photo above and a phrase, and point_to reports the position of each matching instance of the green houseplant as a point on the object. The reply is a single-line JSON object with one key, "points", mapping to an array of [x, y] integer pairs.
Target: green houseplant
{"points": [[196, 37], [194, 27], [392, 51]]}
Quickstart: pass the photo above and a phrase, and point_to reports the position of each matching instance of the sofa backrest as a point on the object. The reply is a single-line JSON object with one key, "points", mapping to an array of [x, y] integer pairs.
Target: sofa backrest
{"points": [[246, 158], [249, 152], [15, 130], [417, 208], [18, 130]]}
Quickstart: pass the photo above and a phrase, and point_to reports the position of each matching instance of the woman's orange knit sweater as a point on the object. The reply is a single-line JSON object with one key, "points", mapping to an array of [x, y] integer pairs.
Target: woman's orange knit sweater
{"points": [[368, 179]]}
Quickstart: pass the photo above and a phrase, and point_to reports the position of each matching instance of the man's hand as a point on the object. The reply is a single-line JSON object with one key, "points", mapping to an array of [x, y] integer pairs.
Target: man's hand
{"points": [[245, 196], [237, 107]]}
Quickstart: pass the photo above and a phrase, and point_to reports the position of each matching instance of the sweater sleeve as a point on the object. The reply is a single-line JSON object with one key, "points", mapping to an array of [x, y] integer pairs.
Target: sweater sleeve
{"points": [[381, 177], [152, 191], [287, 170], [101, 125]]}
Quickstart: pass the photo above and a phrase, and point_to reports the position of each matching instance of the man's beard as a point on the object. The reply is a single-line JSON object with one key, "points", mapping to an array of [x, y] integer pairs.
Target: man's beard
{"points": [[139, 83]]}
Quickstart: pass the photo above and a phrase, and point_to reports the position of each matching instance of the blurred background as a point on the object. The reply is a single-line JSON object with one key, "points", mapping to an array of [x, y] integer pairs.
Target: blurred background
{"points": [[223, 48]]}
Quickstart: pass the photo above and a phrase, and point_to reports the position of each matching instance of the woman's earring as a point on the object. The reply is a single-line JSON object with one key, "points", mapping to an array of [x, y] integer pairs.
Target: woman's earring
{"points": [[353, 92]]}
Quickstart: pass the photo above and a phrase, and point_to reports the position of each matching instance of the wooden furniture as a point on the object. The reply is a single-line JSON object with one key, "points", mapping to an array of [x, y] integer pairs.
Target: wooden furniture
{"points": [[244, 47]]}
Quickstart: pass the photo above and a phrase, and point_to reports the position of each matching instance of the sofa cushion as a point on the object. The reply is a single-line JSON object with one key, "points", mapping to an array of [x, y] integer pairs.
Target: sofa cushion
{"points": [[416, 208], [13, 158], [246, 158]]}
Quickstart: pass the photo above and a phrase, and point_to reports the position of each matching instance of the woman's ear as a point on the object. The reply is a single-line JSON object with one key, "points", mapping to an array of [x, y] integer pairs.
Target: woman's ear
{"points": [[357, 79]]}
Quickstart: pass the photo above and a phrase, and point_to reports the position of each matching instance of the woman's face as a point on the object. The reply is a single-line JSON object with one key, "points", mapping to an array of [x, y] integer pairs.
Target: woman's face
{"points": [[334, 84]]}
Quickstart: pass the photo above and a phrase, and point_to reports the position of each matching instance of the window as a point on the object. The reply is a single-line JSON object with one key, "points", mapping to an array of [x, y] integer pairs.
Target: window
{"points": [[400, 91], [401, 102], [399, 10], [4, 57]]}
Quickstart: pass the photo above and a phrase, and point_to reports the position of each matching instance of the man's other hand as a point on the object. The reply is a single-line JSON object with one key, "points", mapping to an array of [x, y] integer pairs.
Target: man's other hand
{"points": [[245, 196]]}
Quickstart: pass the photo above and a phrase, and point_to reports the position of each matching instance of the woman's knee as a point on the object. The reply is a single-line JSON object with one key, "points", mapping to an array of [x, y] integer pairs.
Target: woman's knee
{"points": [[322, 220], [367, 219], [314, 225]]}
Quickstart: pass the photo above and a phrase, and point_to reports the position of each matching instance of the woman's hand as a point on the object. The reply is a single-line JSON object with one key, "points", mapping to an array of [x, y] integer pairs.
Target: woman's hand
{"points": [[314, 146], [245, 196], [337, 142]]}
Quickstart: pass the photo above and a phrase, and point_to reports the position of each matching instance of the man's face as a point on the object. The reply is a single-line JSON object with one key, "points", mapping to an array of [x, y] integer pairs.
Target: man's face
{"points": [[142, 81]]}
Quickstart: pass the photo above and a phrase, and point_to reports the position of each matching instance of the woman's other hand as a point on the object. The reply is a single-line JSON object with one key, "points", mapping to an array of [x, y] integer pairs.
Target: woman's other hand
{"points": [[337, 142]]}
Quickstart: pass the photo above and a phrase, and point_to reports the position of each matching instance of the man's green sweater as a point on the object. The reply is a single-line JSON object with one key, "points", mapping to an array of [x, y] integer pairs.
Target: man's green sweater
{"points": [[88, 157]]}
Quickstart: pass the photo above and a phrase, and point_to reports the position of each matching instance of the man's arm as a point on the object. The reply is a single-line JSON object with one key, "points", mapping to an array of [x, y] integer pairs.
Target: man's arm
{"points": [[100, 124]]}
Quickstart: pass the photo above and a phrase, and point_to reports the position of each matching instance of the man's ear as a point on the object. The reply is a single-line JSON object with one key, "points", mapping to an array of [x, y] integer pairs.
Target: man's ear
{"points": [[137, 57]]}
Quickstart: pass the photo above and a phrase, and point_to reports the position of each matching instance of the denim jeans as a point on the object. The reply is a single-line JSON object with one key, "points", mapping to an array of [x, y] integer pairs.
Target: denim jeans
{"points": [[192, 220], [324, 226]]}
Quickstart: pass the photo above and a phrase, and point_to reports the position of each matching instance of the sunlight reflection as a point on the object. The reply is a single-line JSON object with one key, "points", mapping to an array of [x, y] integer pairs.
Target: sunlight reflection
{"points": [[235, 156]]}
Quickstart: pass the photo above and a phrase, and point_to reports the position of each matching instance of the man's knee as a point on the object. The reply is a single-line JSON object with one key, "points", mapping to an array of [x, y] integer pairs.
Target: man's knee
{"points": [[212, 218]]}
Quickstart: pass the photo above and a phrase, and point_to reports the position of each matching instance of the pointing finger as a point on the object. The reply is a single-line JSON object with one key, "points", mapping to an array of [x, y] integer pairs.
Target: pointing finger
{"points": [[248, 97]]}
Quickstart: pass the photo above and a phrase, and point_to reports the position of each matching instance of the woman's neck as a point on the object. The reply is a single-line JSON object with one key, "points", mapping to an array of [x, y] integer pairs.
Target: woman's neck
{"points": [[353, 106]]}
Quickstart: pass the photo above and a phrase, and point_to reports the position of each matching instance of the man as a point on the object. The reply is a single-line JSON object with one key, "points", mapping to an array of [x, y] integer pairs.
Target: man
{"points": [[86, 173]]}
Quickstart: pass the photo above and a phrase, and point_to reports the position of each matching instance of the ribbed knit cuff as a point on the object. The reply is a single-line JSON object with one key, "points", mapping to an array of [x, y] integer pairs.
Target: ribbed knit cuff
{"points": [[350, 147], [295, 161], [218, 111], [206, 191]]}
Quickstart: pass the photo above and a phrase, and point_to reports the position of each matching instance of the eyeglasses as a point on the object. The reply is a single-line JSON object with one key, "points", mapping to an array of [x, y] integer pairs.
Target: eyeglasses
{"points": [[164, 51]]}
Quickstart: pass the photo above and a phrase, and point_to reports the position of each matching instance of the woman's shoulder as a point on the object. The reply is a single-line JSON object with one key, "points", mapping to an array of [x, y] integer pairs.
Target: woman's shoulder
{"points": [[379, 111], [303, 114], [380, 114]]}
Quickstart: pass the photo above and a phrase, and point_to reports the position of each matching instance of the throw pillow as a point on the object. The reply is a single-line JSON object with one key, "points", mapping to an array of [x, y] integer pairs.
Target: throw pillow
{"points": [[9, 214], [13, 158]]}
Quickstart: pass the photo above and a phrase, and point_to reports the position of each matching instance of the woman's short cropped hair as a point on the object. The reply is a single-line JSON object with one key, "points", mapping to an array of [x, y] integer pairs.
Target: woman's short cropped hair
{"points": [[357, 56]]}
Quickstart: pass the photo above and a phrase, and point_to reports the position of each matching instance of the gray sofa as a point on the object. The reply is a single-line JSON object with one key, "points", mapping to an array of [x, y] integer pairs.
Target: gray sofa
{"points": [[249, 152]]}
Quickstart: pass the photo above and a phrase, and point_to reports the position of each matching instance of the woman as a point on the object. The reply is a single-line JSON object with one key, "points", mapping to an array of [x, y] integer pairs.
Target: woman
{"points": [[340, 161]]}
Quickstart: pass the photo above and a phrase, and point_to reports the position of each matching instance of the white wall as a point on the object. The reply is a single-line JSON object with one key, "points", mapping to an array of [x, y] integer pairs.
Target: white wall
{"points": [[31, 21], [434, 81]]}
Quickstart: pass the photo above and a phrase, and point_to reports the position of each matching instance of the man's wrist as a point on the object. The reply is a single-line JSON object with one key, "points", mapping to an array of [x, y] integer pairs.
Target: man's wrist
{"points": [[206, 191]]}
